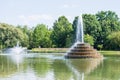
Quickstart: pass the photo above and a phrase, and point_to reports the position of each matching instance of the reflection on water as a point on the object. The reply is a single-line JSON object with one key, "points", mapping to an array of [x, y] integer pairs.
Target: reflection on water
{"points": [[53, 67], [80, 67], [17, 58]]}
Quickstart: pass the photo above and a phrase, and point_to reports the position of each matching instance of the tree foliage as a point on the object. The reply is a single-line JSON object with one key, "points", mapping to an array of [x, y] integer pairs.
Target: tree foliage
{"points": [[26, 32], [74, 26], [92, 27], [41, 36], [10, 35], [113, 41], [109, 22], [101, 30], [61, 33], [89, 39]]}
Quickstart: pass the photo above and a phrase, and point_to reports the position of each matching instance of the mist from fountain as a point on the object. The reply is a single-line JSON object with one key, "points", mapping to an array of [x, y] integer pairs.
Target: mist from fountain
{"points": [[16, 49]]}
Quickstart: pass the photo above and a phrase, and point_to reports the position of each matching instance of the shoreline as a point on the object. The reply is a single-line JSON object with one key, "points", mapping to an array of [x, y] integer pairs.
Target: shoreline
{"points": [[64, 50], [49, 50]]}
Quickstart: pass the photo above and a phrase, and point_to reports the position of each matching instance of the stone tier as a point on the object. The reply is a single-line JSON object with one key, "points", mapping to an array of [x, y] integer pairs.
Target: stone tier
{"points": [[83, 50]]}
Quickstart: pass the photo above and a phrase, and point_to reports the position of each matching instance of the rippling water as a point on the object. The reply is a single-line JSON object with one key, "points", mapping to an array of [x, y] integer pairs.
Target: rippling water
{"points": [[37, 66]]}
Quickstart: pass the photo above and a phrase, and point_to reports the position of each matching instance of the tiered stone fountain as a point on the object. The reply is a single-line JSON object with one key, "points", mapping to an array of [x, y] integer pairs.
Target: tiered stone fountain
{"points": [[81, 49]]}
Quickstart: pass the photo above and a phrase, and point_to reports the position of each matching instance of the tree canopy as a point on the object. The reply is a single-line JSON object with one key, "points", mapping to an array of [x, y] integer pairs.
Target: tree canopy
{"points": [[113, 41], [41, 36], [92, 27], [109, 22], [10, 35], [61, 33], [101, 30]]}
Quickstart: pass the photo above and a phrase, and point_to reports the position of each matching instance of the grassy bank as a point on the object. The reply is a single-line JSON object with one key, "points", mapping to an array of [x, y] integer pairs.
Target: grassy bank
{"points": [[110, 53], [50, 50], [64, 50]]}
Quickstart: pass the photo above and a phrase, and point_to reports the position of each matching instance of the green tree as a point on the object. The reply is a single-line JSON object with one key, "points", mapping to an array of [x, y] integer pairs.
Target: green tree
{"points": [[89, 39], [74, 26], [41, 36], [62, 31], [30, 35], [28, 32], [10, 35], [109, 22], [92, 27], [113, 41]]}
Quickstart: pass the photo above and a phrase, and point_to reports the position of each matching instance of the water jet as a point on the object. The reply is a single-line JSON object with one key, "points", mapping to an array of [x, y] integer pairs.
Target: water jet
{"points": [[16, 49], [81, 49]]}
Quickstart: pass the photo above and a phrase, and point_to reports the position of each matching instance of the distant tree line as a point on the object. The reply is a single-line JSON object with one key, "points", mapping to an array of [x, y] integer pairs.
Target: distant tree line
{"points": [[101, 30]]}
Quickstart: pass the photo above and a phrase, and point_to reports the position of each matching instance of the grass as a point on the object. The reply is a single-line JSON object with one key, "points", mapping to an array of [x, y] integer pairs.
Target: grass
{"points": [[49, 50], [110, 53], [64, 50]]}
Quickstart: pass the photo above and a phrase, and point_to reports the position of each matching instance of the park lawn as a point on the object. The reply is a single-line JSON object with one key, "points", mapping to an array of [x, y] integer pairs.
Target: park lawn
{"points": [[64, 50], [110, 53], [50, 50]]}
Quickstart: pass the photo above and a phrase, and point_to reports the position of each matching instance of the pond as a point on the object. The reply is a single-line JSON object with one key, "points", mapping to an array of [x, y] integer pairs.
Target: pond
{"points": [[37, 66]]}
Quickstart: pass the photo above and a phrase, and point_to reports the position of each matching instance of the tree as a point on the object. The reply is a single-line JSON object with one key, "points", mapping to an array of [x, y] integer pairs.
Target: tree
{"points": [[28, 32], [89, 39], [74, 26], [41, 36], [61, 33], [30, 35], [113, 41], [92, 27], [10, 35], [109, 22]]}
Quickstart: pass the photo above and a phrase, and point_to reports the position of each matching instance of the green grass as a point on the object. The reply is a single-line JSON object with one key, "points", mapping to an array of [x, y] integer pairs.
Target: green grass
{"points": [[49, 50], [110, 53], [64, 50]]}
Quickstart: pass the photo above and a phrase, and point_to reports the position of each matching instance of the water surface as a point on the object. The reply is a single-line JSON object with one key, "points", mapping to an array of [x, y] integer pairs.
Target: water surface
{"points": [[37, 66]]}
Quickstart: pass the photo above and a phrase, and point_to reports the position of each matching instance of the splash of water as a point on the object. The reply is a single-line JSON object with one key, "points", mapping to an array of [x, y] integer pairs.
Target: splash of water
{"points": [[79, 33], [16, 49], [17, 44]]}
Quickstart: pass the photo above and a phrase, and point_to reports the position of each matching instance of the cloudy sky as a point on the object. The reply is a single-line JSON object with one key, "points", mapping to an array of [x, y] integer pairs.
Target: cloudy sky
{"points": [[32, 12]]}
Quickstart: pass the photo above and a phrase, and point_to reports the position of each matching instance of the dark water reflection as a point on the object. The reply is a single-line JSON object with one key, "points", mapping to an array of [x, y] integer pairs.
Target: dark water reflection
{"points": [[55, 67]]}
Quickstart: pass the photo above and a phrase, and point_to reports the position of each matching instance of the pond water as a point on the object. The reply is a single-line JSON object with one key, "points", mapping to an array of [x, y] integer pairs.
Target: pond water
{"points": [[36, 66]]}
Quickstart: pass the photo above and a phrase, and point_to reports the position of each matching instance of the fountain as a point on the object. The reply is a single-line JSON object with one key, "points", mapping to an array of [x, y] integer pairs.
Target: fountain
{"points": [[16, 50], [81, 49]]}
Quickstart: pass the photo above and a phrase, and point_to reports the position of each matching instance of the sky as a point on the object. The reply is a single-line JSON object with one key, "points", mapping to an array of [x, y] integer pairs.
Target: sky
{"points": [[33, 12]]}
